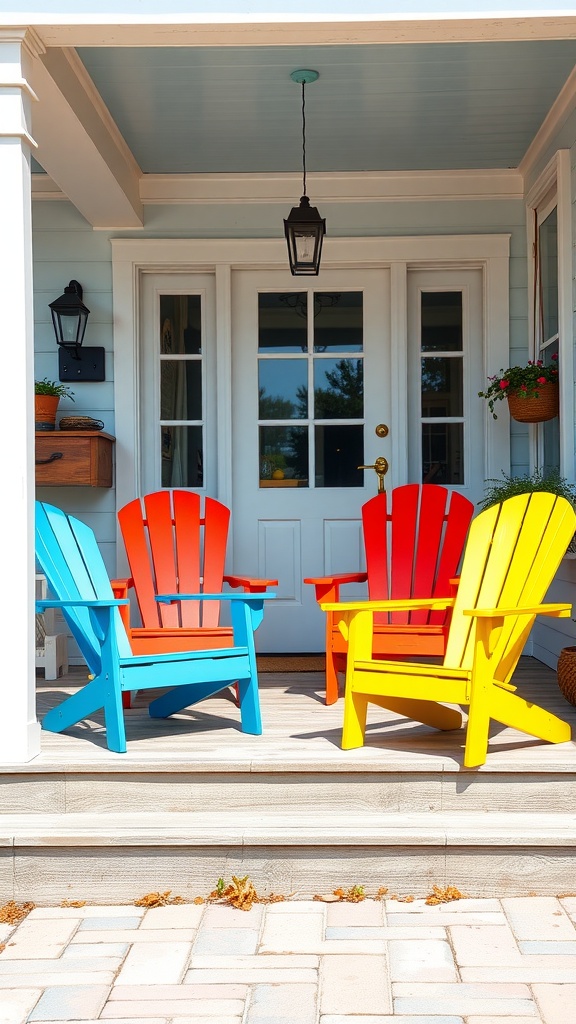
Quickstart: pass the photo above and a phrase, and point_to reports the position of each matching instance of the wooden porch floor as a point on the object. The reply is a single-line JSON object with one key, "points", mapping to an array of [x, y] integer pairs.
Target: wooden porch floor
{"points": [[300, 734]]}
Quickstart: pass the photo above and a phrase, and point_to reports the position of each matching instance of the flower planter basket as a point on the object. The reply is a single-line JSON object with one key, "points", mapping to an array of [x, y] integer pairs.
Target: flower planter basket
{"points": [[566, 672], [537, 409]]}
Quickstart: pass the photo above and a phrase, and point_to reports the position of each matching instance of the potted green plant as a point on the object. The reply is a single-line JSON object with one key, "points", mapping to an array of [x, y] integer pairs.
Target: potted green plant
{"points": [[531, 391], [47, 394], [540, 480]]}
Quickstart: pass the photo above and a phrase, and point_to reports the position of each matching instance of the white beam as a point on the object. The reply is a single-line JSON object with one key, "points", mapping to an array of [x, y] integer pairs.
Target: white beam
{"points": [[80, 147]]}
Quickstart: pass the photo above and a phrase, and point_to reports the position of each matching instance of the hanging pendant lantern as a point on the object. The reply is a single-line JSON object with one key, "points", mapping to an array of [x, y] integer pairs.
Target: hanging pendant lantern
{"points": [[304, 227]]}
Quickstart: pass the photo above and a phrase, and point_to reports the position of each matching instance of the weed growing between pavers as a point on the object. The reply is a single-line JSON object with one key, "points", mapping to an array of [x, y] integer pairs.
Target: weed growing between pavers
{"points": [[446, 895], [73, 903]]}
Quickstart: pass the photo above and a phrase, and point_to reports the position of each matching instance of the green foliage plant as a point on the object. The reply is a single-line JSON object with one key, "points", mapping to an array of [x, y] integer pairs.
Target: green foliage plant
{"points": [[540, 480], [523, 380], [50, 387]]}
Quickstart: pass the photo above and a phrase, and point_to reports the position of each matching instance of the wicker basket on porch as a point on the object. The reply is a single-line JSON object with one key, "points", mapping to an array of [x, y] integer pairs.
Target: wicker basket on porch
{"points": [[566, 671], [542, 407]]}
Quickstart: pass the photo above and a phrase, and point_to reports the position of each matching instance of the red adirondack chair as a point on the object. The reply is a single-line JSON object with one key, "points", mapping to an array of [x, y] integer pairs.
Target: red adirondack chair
{"points": [[173, 548], [413, 540]]}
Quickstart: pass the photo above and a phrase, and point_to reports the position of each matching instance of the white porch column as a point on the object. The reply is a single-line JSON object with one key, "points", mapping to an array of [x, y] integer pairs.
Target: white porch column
{"points": [[19, 730]]}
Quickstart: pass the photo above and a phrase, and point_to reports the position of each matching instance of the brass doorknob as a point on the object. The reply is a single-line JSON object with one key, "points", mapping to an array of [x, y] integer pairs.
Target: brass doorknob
{"points": [[381, 430]]}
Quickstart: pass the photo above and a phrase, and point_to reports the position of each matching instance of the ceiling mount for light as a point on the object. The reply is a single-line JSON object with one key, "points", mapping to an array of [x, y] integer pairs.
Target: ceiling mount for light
{"points": [[304, 227]]}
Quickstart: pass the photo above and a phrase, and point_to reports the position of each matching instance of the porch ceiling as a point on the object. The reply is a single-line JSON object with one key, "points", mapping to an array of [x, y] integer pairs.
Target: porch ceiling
{"points": [[375, 107]]}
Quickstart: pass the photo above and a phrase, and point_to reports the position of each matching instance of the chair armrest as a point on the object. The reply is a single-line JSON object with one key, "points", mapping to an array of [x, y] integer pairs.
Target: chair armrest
{"points": [[252, 610], [77, 603], [247, 598], [408, 604], [121, 587], [250, 585], [559, 611], [328, 587]]}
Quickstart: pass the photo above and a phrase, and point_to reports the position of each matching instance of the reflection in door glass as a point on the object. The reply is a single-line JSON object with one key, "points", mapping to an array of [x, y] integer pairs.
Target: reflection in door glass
{"points": [[182, 458], [181, 405], [282, 389], [338, 389], [442, 453], [442, 387], [339, 452], [180, 389], [338, 321], [283, 457], [282, 325]]}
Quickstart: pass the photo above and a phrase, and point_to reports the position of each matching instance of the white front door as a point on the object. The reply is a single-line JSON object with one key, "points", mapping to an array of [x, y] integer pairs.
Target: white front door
{"points": [[310, 383]]}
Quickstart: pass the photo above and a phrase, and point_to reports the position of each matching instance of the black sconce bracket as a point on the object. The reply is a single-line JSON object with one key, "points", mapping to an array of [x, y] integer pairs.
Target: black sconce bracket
{"points": [[81, 364]]}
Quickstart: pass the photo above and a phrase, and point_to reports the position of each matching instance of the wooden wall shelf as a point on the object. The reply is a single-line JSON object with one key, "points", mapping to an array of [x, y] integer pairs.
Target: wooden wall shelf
{"points": [[74, 458]]}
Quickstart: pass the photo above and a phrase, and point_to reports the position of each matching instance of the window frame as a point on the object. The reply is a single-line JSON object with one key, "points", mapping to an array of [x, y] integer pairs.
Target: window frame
{"points": [[553, 189]]}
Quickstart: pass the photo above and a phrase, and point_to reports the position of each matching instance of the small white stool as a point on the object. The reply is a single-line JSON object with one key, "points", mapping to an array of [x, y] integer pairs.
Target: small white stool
{"points": [[51, 647]]}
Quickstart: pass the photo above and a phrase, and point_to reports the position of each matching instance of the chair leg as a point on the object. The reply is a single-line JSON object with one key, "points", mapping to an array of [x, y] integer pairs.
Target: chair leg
{"points": [[96, 695], [331, 678], [513, 710], [355, 709], [250, 706]]}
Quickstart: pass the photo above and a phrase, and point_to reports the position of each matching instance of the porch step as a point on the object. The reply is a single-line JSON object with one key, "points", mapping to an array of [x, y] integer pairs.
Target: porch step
{"points": [[114, 858]]}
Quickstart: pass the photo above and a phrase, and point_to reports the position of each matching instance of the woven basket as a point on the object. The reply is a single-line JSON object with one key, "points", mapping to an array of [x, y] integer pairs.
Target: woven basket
{"points": [[567, 674], [537, 409], [80, 423]]}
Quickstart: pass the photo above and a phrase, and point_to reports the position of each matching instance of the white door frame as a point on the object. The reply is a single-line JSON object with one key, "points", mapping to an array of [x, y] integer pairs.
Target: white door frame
{"points": [[131, 258]]}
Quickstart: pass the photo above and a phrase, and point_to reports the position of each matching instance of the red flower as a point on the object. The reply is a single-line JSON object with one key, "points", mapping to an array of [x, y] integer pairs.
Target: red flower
{"points": [[555, 356], [541, 380], [523, 387], [503, 384]]}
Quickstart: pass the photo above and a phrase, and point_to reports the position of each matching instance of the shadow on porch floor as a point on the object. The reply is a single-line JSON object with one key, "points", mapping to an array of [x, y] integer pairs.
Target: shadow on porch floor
{"points": [[301, 733]]}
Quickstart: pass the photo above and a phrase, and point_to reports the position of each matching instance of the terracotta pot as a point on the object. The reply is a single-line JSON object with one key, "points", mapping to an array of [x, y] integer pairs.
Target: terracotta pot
{"points": [[45, 407], [566, 672], [537, 409]]}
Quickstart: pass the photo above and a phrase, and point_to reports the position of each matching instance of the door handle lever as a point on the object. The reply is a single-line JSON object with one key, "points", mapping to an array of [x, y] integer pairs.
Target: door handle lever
{"points": [[380, 467]]}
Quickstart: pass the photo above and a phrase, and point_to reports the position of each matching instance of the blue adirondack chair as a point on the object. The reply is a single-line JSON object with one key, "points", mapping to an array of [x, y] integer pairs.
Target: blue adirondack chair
{"points": [[69, 557]]}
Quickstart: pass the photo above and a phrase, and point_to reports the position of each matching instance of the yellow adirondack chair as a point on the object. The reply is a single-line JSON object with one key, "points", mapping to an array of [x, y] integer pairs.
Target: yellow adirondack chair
{"points": [[511, 556]]}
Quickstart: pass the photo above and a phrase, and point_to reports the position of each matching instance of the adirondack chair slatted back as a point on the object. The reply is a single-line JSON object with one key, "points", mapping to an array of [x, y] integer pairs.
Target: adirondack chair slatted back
{"points": [[172, 548], [71, 560], [413, 544], [511, 557]]}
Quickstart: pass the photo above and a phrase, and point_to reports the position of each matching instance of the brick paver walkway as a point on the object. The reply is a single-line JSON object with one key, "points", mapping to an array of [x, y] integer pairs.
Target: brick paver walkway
{"points": [[477, 961]]}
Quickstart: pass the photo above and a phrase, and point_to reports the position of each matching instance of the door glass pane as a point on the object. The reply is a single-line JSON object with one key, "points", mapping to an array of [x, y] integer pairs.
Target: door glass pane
{"points": [[339, 451], [334, 322], [182, 457], [283, 389], [282, 322], [338, 389], [442, 387], [338, 322], [548, 242], [443, 453], [441, 314], [283, 456], [180, 324], [180, 389]]}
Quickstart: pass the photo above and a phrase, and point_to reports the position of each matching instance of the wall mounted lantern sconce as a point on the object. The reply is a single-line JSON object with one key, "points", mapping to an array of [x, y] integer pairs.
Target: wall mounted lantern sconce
{"points": [[304, 227], [69, 319]]}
